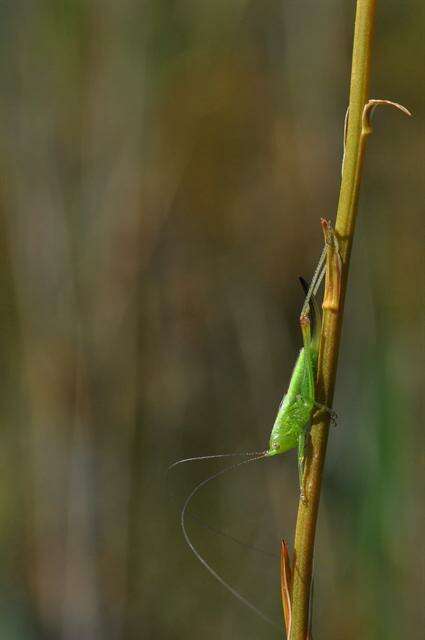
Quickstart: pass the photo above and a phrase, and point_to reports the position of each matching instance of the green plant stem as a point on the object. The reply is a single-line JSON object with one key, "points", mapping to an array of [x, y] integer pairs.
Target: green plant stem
{"points": [[332, 320]]}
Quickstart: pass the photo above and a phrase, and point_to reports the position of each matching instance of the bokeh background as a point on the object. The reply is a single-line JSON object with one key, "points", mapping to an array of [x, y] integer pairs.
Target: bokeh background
{"points": [[164, 166]]}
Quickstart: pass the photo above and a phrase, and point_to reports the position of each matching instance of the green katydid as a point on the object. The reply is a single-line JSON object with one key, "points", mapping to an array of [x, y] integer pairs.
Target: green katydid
{"points": [[295, 412], [296, 409]]}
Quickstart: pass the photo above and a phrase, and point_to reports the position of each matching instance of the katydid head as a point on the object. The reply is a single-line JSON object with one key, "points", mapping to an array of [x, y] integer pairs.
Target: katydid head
{"points": [[280, 444], [274, 449]]}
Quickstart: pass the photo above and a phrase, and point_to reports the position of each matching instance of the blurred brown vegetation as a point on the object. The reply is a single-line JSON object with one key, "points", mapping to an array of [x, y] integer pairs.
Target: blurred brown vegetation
{"points": [[164, 167]]}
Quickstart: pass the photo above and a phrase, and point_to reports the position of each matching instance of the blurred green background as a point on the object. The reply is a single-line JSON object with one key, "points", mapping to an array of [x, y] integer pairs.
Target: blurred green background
{"points": [[164, 166]]}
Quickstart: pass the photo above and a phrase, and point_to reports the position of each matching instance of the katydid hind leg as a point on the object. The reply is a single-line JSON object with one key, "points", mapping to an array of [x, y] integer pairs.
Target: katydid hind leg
{"points": [[308, 383], [315, 281]]}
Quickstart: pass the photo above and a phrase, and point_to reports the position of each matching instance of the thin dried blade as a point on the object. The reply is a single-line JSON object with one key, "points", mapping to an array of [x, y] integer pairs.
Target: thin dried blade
{"points": [[286, 585]]}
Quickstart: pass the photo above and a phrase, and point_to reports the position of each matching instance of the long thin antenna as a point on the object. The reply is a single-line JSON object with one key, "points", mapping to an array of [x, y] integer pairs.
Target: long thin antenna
{"points": [[201, 559], [214, 457], [200, 521], [218, 532]]}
